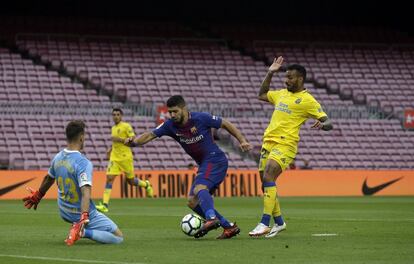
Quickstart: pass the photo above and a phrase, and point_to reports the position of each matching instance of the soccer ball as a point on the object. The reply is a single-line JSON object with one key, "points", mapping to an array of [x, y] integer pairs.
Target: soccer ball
{"points": [[190, 224]]}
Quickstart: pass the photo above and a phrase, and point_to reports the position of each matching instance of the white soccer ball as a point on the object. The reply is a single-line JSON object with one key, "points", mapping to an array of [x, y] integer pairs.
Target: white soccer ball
{"points": [[191, 223]]}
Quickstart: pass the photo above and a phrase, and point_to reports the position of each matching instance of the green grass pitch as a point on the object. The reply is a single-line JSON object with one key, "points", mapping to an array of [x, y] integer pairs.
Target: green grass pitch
{"points": [[368, 230]]}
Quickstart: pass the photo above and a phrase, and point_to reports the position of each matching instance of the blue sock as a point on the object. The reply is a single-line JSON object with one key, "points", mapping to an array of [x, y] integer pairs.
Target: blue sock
{"points": [[278, 220], [206, 203], [265, 219], [103, 236], [223, 221], [199, 211], [136, 181]]}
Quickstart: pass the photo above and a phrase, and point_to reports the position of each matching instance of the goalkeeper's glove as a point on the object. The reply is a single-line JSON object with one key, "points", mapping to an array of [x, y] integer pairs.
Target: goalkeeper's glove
{"points": [[84, 218], [34, 199], [75, 232]]}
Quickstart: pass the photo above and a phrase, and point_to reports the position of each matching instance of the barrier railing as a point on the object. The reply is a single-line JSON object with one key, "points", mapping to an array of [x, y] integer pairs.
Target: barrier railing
{"points": [[149, 109]]}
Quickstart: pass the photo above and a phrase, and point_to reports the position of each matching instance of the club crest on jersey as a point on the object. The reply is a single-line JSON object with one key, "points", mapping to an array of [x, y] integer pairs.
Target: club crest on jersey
{"points": [[298, 101], [193, 130]]}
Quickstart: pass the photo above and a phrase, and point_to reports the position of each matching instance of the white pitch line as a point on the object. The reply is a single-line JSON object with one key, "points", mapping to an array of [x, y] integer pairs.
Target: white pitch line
{"points": [[321, 235], [69, 259]]}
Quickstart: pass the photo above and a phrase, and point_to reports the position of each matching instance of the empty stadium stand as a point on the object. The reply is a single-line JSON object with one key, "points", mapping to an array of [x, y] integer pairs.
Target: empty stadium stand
{"points": [[103, 71]]}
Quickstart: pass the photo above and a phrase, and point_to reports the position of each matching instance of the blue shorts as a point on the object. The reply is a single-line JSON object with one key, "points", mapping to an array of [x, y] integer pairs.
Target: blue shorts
{"points": [[97, 220], [210, 174]]}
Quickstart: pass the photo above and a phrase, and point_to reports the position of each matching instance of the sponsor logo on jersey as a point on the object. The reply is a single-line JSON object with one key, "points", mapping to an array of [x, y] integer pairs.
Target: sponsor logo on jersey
{"points": [[191, 140]]}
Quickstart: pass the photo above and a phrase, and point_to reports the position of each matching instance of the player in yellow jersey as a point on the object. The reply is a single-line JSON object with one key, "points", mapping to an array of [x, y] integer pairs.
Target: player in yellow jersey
{"points": [[293, 106], [120, 160]]}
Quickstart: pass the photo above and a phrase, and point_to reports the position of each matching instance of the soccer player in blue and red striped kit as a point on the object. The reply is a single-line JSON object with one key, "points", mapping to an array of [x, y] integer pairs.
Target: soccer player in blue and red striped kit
{"points": [[192, 130]]}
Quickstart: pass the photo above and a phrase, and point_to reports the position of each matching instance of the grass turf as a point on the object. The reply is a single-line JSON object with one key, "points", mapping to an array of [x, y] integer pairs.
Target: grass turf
{"points": [[369, 230]]}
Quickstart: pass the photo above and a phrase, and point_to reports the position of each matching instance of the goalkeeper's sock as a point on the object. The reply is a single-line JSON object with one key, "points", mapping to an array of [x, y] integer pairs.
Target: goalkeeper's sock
{"points": [[223, 221], [140, 183], [107, 194], [102, 236], [206, 203]]}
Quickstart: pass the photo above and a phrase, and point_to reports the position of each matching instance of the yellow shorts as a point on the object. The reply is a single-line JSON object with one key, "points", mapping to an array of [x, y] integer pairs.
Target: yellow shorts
{"points": [[282, 154], [117, 167]]}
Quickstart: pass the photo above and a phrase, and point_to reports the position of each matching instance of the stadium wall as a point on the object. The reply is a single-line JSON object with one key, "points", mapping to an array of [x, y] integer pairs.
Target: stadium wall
{"points": [[176, 183]]}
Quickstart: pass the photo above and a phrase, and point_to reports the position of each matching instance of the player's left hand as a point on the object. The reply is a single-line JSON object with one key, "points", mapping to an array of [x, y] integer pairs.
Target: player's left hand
{"points": [[245, 146], [317, 125], [32, 200]]}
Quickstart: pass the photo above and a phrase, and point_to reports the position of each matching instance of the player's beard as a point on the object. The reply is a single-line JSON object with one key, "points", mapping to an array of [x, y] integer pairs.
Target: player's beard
{"points": [[178, 120], [291, 88]]}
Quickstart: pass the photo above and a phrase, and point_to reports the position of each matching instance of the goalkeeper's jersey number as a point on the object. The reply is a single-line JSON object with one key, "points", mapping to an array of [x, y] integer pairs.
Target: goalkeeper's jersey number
{"points": [[67, 190]]}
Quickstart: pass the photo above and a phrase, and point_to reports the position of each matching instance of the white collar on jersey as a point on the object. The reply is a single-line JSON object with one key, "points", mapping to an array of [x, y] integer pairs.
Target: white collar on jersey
{"points": [[70, 151]]}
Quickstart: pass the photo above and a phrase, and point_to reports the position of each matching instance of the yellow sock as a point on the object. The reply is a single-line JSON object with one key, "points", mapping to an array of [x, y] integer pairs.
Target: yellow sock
{"points": [[107, 195], [269, 199], [276, 209], [141, 183]]}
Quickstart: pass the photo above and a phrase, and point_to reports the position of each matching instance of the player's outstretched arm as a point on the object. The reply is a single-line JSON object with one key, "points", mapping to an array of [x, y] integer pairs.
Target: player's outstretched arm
{"points": [[35, 196], [323, 123], [264, 88], [235, 132], [141, 140]]}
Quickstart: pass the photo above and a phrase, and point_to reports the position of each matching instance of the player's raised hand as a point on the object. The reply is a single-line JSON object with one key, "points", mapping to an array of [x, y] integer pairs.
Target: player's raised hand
{"points": [[277, 63], [245, 146], [32, 200]]}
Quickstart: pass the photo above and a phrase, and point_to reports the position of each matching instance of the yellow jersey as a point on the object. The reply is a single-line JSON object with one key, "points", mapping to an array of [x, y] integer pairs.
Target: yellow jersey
{"points": [[291, 111], [119, 150]]}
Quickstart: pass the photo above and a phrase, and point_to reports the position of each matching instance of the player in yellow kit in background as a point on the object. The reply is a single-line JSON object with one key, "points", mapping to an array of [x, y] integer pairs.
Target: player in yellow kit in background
{"points": [[120, 160], [293, 106]]}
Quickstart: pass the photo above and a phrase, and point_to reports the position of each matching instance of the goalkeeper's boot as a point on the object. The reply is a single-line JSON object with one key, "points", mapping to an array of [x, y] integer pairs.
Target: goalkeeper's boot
{"points": [[101, 207], [74, 234], [276, 229], [229, 232], [149, 190], [207, 226], [260, 230]]}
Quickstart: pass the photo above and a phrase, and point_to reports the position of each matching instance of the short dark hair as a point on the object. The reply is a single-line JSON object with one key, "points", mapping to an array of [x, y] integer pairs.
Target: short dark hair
{"points": [[117, 110], [176, 100], [74, 129], [299, 68]]}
